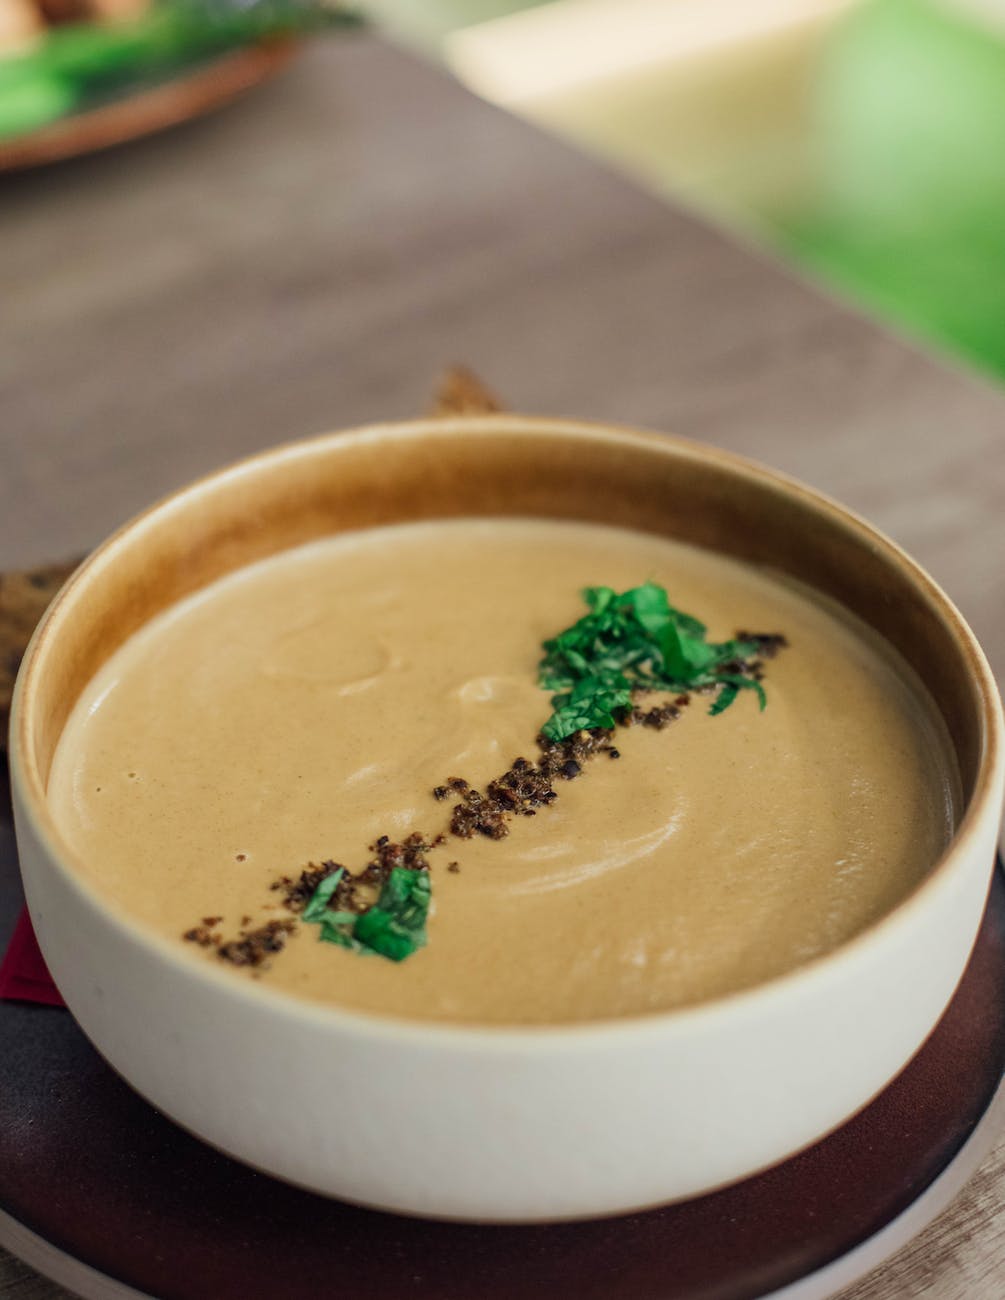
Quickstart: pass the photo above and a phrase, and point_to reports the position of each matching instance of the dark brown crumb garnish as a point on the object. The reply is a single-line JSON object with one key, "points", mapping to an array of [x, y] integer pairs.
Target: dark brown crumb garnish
{"points": [[298, 893], [410, 853], [768, 643], [454, 867], [526, 787], [201, 935], [255, 947], [478, 814], [454, 785], [659, 716], [355, 893], [211, 920]]}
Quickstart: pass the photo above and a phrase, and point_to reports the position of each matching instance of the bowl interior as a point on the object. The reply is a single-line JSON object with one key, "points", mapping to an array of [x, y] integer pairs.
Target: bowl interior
{"points": [[499, 465]]}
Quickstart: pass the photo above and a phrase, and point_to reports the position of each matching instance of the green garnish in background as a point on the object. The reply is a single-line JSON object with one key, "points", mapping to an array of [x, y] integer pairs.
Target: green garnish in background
{"points": [[83, 64], [395, 926], [630, 641]]}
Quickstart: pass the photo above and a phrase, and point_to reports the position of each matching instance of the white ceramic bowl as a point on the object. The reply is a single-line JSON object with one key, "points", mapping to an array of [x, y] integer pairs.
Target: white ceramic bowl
{"points": [[497, 1123]]}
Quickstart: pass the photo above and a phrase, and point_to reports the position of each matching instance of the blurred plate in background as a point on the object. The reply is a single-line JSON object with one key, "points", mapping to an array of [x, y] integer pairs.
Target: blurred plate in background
{"points": [[151, 109]]}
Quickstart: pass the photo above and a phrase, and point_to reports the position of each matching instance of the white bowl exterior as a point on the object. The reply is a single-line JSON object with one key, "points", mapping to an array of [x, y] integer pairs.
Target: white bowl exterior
{"points": [[499, 1124]]}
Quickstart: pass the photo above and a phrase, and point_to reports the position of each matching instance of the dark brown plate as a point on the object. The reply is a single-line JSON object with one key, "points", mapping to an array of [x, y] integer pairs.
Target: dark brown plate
{"points": [[98, 1174], [149, 110]]}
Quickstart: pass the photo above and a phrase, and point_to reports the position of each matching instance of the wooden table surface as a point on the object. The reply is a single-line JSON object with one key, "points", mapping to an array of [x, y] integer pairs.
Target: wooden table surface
{"points": [[314, 256]]}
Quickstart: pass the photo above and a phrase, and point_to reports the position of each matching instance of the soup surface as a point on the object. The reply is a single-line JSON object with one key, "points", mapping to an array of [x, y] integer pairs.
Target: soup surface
{"points": [[301, 708]]}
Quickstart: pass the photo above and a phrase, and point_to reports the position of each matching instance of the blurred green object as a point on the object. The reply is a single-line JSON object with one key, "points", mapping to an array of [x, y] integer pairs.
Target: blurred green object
{"points": [[82, 64], [29, 102], [908, 207], [864, 139]]}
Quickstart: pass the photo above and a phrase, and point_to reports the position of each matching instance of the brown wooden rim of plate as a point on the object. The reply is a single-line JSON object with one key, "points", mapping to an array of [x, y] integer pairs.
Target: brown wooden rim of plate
{"points": [[155, 109]]}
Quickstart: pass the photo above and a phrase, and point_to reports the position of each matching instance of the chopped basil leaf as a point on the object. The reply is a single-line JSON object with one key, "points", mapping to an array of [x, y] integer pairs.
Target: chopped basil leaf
{"points": [[591, 698], [394, 927], [738, 683], [725, 698], [632, 641], [317, 907], [337, 927]]}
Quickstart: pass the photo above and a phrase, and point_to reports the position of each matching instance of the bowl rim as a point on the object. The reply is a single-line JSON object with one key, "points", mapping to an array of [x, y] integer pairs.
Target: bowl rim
{"points": [[790, 986]]}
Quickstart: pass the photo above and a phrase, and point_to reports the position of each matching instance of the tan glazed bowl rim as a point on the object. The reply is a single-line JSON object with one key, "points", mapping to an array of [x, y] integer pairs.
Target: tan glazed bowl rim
{"points": [[44, 674]]}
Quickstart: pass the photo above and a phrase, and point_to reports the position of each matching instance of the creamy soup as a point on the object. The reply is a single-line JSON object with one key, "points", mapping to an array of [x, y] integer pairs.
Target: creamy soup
{"points": [[299, 709]]}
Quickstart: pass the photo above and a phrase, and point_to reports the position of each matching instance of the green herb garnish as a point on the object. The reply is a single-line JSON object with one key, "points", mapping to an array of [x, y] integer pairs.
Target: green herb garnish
{"points": [[317, 906], [630, 642], [395, 926]]}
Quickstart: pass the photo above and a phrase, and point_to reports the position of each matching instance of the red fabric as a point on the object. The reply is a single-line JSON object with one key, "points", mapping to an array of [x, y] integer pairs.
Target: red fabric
{"points": [[24, 976]]}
